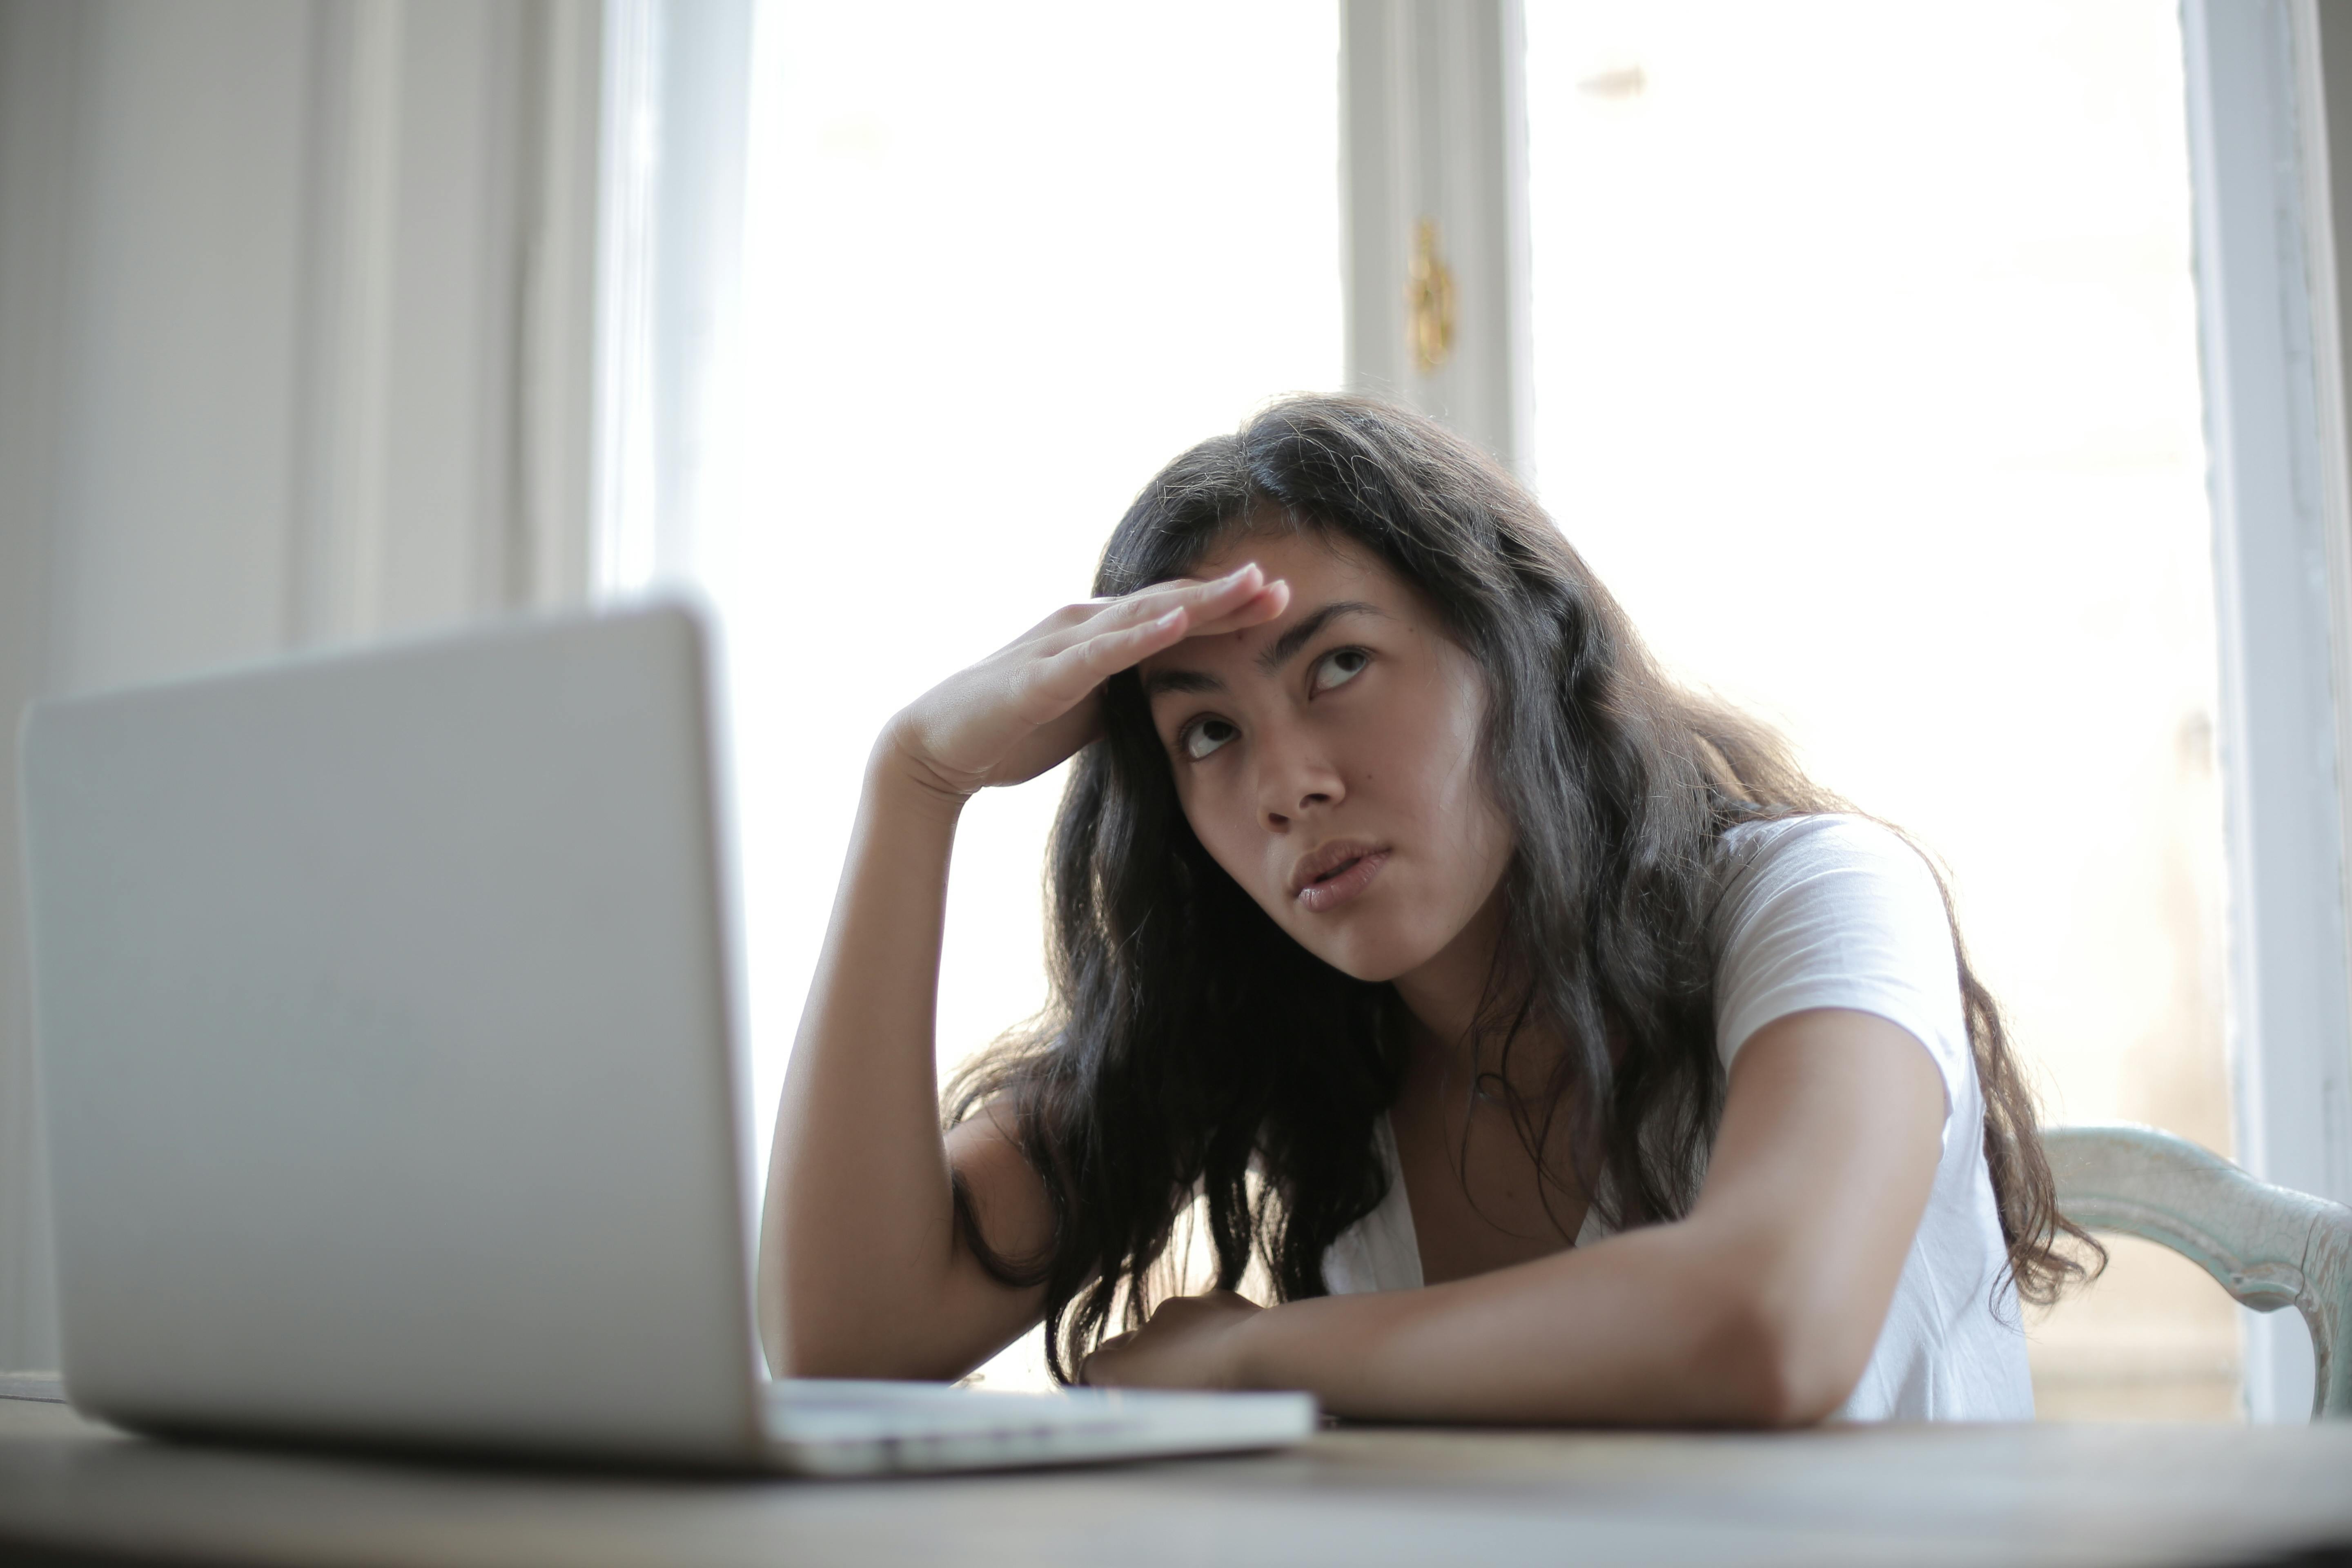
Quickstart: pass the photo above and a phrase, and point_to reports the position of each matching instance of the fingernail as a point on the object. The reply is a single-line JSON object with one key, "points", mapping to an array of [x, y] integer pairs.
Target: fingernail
{"points": [[1170, 619]]}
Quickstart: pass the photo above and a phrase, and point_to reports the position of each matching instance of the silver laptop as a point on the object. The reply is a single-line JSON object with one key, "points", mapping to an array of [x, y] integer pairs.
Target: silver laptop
{"points": [[393, 1080]]}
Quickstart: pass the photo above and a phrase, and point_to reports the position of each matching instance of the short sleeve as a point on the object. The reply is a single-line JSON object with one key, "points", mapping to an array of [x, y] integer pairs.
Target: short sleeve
{"points": [[1836, 912]]}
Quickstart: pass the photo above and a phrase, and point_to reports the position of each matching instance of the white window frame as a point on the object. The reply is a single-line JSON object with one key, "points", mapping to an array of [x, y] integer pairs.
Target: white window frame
{"points": [[677, 88], [2270, 324]]}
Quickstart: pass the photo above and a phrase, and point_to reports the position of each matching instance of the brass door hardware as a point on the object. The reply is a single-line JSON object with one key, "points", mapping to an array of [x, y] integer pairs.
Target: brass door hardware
{"points": [[1429, 301]]}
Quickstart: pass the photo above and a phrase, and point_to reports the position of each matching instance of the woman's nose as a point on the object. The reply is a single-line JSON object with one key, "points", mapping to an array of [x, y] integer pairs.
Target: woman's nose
{"points": [[1294, 779]]}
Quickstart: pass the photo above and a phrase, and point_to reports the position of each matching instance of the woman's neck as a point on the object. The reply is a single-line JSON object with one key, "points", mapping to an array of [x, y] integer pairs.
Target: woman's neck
{"points": [[1445, 997]]}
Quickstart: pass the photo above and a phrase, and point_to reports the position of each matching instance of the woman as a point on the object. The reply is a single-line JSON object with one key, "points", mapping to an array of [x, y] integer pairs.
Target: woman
{"points": [[1558, 1050]]}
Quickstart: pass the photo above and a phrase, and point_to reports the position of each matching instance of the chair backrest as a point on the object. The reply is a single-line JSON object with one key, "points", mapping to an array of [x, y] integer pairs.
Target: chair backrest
{"points": [[2268, 1246]]}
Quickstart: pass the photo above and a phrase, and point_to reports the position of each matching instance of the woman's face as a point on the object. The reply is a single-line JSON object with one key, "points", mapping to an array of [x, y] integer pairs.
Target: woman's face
{"points": [[1328, 759]]}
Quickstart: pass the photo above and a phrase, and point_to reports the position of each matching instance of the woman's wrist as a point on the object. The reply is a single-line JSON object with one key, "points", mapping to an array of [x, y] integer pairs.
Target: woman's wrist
{"points": [[1325, 1346], [898, 775], [1254, 1350]]}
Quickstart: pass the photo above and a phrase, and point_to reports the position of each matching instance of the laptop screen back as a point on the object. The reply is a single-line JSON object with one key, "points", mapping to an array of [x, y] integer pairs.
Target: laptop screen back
{"points": [[386, 1044]]}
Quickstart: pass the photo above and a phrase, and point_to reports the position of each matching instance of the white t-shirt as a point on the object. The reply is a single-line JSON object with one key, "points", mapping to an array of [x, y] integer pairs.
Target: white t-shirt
{"points": [[1836, 912]]}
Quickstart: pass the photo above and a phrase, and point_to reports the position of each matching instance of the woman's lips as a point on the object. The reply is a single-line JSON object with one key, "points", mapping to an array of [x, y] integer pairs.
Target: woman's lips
{"points": [[1317, 898]]}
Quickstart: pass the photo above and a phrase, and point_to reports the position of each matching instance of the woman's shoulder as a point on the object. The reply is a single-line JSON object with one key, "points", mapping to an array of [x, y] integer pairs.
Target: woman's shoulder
{"points": [[1837, 836], [1834, 910], [1758, 862], [1822, 867]]}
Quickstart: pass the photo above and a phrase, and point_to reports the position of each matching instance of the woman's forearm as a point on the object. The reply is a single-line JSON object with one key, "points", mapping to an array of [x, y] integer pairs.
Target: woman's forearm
{"points": [[1762, 1308], [857, 1241], [1656, 1326]]}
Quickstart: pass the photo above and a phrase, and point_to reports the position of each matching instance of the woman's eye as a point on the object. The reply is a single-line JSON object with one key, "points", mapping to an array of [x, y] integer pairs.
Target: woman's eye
{"points": [[1199, 740], [1339, 667]]}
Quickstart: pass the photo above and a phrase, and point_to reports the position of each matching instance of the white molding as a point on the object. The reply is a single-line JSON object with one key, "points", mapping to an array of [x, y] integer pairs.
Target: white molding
{"points": [[42, 48], [355, 109], [678, 91], [1433, 126], [624, 536], [2277, 495], [44, 1386], [558, 390]]}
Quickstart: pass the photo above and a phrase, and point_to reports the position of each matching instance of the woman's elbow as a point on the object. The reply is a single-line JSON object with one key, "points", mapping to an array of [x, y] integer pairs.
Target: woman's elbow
{"points": [[803, 1350], [1774, 1359]]}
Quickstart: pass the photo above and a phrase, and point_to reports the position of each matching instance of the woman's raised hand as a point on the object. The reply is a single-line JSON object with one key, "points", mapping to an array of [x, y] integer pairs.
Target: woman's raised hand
{"points": [[858, 1275], [1034, 701]]}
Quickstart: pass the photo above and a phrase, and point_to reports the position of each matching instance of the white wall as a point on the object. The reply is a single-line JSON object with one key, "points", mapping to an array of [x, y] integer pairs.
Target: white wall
{"points": [[294, 316]]}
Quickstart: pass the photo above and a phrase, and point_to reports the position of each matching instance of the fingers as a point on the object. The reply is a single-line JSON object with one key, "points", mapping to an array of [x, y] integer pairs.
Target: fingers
{"points": [[1073, 657], [1100, 1366], [1089, 617], [1205, 602], [1206, 1303], [1197, 598], [1055, 685], [1260, 608]]}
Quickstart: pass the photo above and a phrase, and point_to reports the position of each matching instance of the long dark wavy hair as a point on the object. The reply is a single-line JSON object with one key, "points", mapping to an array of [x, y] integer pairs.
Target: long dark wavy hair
{"points": [[1192, 1052]]}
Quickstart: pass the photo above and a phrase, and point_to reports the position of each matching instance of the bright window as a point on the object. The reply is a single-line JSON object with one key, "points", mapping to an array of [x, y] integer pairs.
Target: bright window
{"points": [[1866, 375]]}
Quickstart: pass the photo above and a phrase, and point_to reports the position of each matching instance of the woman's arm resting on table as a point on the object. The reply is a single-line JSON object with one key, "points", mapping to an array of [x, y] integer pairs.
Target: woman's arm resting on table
{"points": [[1761, 1308]]}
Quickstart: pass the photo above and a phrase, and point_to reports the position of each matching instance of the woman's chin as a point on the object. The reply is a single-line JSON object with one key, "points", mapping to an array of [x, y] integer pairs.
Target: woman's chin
{"points": [[1373, 957]]}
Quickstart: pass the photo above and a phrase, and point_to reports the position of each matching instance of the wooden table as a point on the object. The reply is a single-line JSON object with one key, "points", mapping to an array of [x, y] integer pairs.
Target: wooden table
{"points": [[73, 1492]]}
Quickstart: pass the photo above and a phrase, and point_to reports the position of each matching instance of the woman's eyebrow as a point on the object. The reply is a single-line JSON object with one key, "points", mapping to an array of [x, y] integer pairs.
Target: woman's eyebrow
{"points": [[1287, 645], [1156, 681]]}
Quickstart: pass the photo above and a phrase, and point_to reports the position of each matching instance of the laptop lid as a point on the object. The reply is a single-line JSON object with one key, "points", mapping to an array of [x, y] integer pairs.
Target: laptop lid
{"points": [[386, 1044]]}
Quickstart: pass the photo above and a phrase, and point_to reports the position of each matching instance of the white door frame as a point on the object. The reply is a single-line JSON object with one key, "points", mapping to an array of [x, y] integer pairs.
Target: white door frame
{"points": [[2267, 285], [1434, 130]]}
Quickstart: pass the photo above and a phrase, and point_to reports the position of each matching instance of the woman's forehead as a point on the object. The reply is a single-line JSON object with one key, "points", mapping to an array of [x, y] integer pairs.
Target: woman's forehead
{"points": [[1301, 555]]}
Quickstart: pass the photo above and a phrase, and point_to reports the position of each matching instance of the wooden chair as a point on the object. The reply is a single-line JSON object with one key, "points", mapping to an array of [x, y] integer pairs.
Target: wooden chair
{"points": [[2269, 1247]]}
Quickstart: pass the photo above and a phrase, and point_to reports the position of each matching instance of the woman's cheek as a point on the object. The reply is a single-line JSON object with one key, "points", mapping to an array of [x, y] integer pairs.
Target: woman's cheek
{"points": [[1226, 836]]}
